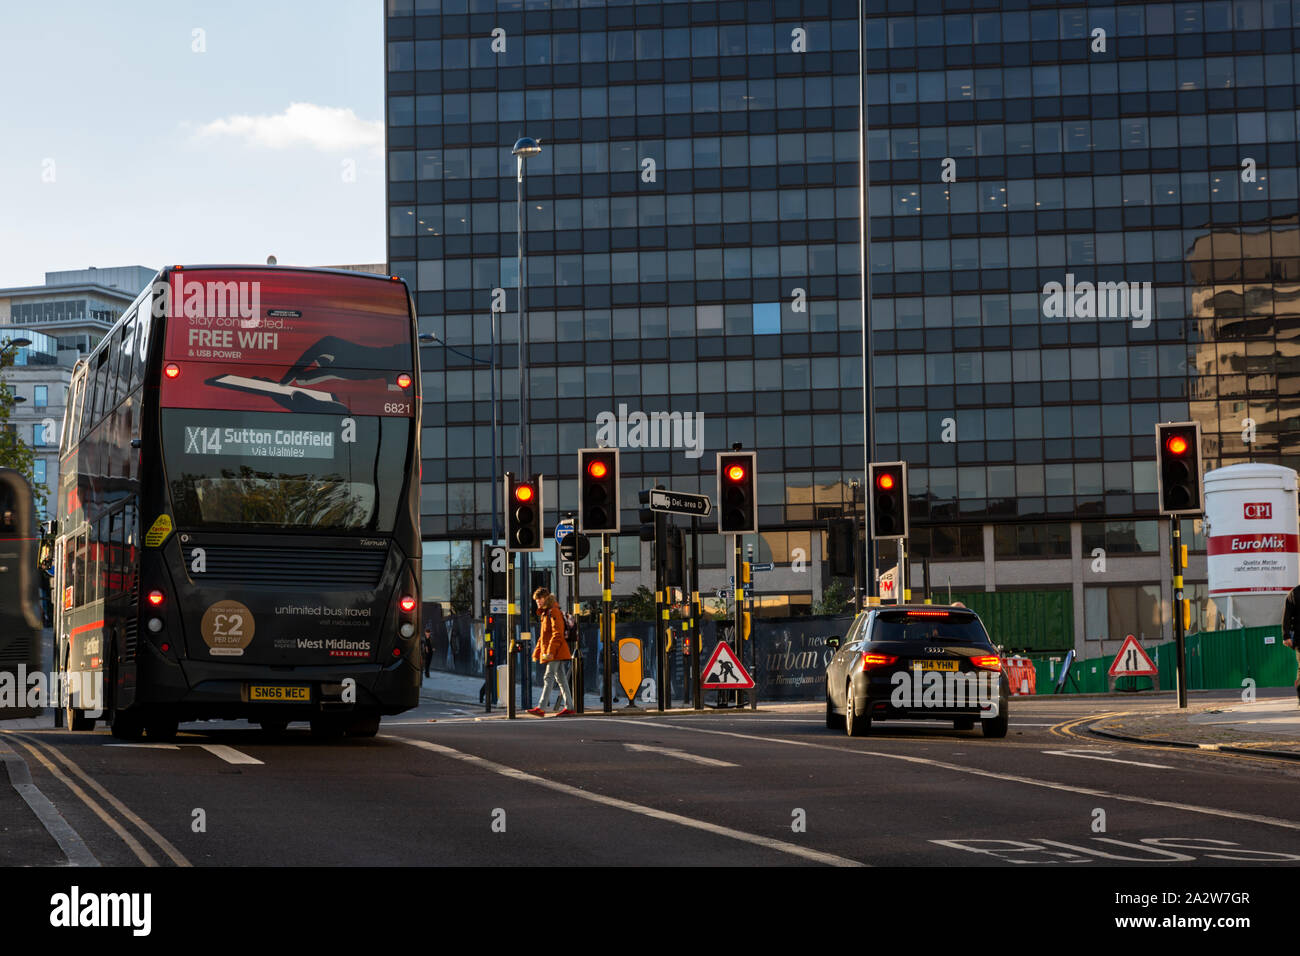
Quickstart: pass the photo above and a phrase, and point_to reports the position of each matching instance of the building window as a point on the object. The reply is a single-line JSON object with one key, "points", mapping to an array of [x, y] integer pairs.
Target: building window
{"points": [[1121, 537], [38, 471], [1112, 613], [41, 396], [1036, 541]]}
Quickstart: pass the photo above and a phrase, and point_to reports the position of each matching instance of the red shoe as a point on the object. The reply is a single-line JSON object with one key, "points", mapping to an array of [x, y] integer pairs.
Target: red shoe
{"points": [[564, 713], [536, 711]]}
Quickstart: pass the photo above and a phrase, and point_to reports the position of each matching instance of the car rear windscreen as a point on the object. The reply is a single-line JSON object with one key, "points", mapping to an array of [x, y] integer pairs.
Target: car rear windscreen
{"points": [[930, 628]]}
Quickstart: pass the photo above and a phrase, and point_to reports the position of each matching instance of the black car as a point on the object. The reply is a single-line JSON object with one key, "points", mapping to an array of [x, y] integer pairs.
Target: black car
{"points": [[916, 662]]}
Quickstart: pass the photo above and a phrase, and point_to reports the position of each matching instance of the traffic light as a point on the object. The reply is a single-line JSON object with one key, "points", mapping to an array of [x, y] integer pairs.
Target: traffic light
{"points": [[649, 518], [497, 562], [598, 505], [1178, 467], [840, 547], [737, 493], [888, 499], [675, 559], [524, 510]]}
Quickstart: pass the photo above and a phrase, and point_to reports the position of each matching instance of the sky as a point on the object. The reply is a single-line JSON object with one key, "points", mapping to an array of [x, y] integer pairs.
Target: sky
{"points": [[141, 132]]}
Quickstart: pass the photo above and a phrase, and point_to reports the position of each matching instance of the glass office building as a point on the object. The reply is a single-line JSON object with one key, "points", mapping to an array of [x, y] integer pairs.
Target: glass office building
{"points": [[692, 238], [1083, 220]]}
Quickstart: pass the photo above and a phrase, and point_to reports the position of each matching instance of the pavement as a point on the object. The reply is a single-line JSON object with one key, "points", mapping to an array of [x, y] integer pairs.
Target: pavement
{"points": [[445, 688], [1267, 725]]}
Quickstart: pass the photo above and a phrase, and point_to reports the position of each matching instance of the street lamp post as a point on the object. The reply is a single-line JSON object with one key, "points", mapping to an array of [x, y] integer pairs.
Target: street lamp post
{"points": [[524, 148]]}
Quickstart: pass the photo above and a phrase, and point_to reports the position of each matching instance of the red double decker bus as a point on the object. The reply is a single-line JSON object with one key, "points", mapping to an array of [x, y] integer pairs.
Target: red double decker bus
{"points": [[239, 505]]}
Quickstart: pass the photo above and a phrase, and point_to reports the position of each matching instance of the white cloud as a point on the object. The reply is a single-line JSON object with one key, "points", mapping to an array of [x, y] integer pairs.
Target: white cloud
{"points": [[326, 128]]}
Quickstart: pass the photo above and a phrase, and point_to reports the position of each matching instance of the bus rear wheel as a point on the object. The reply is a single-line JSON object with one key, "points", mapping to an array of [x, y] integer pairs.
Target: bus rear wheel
{"points": [[364, 726], [161, 728], [328, 728]]}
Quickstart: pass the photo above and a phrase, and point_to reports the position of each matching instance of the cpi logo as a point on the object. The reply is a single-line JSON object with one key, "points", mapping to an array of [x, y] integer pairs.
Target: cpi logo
{"points": [[1258, 509]]}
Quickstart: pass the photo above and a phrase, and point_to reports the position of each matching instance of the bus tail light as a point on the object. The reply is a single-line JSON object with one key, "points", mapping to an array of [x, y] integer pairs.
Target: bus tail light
{"points": [[171, 370], [404, 380], [156, 598], [407, 604]]}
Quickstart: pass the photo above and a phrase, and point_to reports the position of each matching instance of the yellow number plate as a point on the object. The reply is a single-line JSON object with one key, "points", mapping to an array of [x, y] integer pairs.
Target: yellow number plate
{"points": [[280, 693], [934, 665]]}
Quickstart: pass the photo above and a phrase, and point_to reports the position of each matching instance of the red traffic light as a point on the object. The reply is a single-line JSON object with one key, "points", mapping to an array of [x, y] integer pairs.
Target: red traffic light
{"points": [[597, 469], [524, 493], [1176, 444], [736, 472], [885, 481]]}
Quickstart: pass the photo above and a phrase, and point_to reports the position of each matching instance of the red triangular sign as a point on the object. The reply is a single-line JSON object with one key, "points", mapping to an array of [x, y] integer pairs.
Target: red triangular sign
{"points": [[725, 672], [1132, 661]]}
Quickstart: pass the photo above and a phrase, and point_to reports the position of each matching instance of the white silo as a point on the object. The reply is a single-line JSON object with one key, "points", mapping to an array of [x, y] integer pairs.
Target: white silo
{"points": [[1252, 538]]}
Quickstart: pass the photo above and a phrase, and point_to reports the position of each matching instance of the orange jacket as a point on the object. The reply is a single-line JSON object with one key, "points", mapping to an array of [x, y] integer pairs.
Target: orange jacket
{"points": [[551, 645]]}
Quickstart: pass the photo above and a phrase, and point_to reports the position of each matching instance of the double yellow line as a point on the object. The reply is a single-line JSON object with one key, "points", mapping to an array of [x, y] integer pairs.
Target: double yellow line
{"points": [[43, 751], [1066, 729]]}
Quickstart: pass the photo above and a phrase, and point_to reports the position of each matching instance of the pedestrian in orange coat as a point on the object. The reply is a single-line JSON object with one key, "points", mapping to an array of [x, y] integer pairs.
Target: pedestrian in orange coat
{"points": [[553, 651]]}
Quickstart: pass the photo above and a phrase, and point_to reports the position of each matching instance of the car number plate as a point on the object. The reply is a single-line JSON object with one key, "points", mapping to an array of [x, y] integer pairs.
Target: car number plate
{"points": [[299, 694], [934, 665]]}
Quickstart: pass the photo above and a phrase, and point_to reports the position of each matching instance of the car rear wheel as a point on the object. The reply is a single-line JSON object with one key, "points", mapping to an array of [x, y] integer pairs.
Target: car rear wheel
{"points": [[856, 725], [995, 726], [834, 721]]}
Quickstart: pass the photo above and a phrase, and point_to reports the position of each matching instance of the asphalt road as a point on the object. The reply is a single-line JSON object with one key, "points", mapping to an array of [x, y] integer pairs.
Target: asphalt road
{"points": [[443, 786]]}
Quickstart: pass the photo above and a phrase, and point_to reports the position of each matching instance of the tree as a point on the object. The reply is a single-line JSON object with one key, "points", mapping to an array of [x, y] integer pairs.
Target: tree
{"points": [[13, 452], [834, 600], [637, 606]]}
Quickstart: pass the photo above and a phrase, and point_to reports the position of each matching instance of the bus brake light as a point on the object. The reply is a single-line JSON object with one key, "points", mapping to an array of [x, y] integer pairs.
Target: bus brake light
{"points": [[155, 598], [404, 380], [171, 370], [407, 604]]}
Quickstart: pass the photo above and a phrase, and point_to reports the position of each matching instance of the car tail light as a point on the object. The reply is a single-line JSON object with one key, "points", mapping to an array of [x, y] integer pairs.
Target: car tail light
{"points": [[407, 603], [989, 662], [874, 661], [927, 613], [156, 598]]}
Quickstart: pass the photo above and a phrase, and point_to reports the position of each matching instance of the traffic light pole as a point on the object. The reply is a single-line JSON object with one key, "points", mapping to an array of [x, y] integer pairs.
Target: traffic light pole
{"points": [[512, 646], [901, 584], [606, 625], [740, 606], [1180, 645], [661, 609], [695, 614]]}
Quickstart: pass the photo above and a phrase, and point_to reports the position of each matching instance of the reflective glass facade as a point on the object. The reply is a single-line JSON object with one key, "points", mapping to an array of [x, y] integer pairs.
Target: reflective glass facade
{"points": [[1083, 220], [692, 238]]}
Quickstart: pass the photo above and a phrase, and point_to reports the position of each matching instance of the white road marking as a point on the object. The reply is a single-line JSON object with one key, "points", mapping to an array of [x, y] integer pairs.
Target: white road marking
{"points": [[69, 840], [681, 755], [1011, 778], [814, 856], [228, 754], [1096, 755]]}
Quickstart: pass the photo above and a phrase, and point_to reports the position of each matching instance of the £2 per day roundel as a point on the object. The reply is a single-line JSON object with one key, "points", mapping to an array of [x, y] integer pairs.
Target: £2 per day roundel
{"points": [[227, 628]]}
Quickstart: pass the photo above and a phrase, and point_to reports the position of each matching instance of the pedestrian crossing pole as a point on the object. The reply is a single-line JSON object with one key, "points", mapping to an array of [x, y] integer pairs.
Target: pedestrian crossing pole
{"points": [[1180, 640], [512, 649], [740, 606], [606, 624], [695, 613]]}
